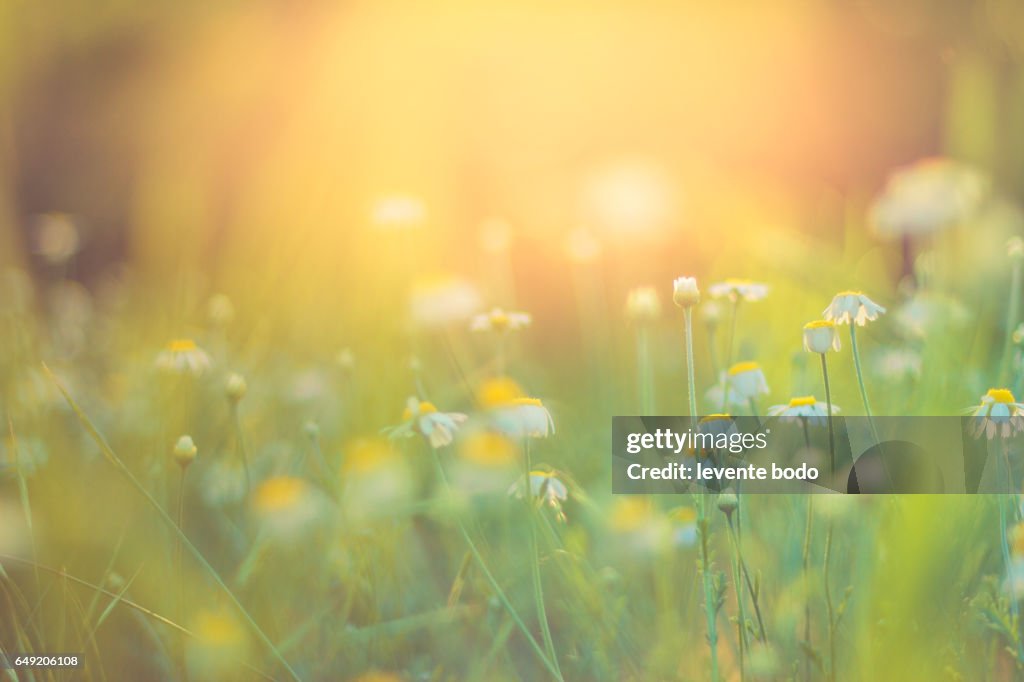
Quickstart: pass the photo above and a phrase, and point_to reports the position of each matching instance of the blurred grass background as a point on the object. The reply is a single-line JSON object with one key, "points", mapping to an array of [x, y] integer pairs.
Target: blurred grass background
{"points": [[314, 162]]}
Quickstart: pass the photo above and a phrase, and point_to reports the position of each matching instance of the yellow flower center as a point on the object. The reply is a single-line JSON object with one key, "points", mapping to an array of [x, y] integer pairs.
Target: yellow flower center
{"points": [[181, 346], [850, 292], [499, 391], [683, 515], [803, 401], [218, 629], [488, 449], [741, 367], [1001, 395], [279, 493], [715, 417], [425, 407], [535, 402], [542, 474], [819, 324], [499, 319], [630, 514]]}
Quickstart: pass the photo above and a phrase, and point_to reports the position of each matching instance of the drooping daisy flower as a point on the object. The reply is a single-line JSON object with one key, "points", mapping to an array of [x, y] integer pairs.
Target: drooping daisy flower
{"points": [[717, 395], [685, 293], [423, 418], [821, 336], [927, 197], [739, 290], [747, 380], [852, 307], [637, 524], [643, 304], [545, 488], [439, 301], [500, 321], [183, 356], [512, 412], [999, 414], [804, 407]]}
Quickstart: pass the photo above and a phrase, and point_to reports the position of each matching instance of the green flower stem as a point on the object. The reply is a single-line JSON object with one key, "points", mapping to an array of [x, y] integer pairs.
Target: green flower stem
{"points": [[860, 380], [830, 612], [538, 585], [762, 633], [703, 522], [489, 577], [828, 414], [644, 369], [1012, 315], [240, 445], [805, 563], [120, 466], [728, 353]]}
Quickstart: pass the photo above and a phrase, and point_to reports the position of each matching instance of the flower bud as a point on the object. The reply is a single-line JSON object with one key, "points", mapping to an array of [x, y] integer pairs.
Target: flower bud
{"points": [[643, 304], [235, 388], [727, 503], [685, 292], [184, 451]]}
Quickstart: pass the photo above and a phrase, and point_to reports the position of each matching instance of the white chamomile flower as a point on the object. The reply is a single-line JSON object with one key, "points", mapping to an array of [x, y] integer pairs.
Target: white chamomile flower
{"points": [[821, 336], [643, 304], [716, 395], [746, 379], [439, 301], [423, 418], [999, 414], [685, 293], [512, 412], [928, 196], [498, 320], [183, 356], [739, 290], [804, 407], [852, 307], [545, 488]]}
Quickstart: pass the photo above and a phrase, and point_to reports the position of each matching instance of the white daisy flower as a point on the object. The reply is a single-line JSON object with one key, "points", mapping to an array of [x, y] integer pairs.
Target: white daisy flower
{"points": [[717, 424], [439, 301], [685, 293], [852, 307], [716, 395], [804, 407], [747, 380], [183, 356], [287, 506], [512, 412], [739, 289], [999, 414], [423, 418], [500, 321], [643, 304], [927, 197], [546, 488], [821, 336]]}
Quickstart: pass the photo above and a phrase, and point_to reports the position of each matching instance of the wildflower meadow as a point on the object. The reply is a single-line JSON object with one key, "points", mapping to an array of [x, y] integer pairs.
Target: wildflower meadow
{"points": [[314, 321]]}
